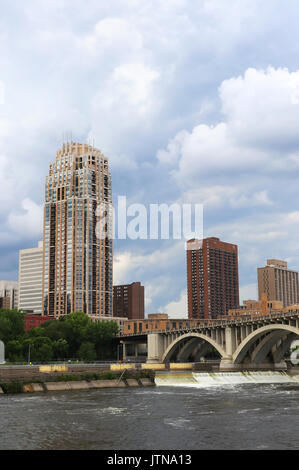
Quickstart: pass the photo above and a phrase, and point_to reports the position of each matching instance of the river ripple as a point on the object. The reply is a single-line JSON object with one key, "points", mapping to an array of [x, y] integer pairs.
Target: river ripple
{"points": [[229, 417]]}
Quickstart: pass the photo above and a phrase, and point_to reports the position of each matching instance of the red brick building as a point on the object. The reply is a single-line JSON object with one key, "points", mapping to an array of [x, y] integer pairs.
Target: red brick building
{"points": [[128, 301], [33, 321], [212, 278]]}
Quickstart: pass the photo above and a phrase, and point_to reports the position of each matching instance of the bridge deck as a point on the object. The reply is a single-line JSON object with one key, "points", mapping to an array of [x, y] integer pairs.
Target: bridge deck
{"points": [[222, 323]]}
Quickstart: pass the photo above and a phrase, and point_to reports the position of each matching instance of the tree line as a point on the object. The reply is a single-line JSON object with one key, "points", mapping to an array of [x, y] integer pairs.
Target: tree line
{"points": [[72, 337]]}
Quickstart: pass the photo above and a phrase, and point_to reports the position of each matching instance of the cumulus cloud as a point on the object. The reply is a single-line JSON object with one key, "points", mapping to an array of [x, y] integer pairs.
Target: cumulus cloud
{"points": [[27, 223], [177, 309], [262, 108], [259, 133]]}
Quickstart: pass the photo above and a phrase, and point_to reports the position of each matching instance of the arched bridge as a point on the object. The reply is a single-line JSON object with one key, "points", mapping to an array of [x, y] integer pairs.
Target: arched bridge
{"points": [[254, 341]]}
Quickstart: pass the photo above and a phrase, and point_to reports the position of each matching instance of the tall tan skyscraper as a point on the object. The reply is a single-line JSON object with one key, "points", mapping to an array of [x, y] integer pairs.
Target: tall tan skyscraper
{"points": [[278, 282], [77, 264], [212, 278]]}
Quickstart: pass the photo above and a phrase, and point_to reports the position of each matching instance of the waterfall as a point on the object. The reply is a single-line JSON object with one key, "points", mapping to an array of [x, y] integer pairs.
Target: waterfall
{"points": [[209, 379]]}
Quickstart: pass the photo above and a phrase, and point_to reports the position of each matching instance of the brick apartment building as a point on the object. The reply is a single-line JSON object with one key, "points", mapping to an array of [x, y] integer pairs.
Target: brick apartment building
{"points": [[212, 278]]}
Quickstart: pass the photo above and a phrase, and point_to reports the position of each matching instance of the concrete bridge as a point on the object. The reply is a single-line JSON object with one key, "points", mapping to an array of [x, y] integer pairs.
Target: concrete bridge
{"points": [[253, 341]]}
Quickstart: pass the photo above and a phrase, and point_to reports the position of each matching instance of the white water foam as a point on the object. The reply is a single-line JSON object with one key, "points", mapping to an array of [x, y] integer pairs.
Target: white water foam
{"points": [[209, 379]]}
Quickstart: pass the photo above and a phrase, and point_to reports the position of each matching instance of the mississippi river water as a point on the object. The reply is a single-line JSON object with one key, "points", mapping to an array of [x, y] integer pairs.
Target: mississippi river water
{"points": [[247, 416]]}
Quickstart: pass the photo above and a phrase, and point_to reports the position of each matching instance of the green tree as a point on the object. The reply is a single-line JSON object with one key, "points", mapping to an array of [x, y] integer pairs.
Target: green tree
{"points": [[74, 328], [41, 349], [102, 335], [87, 352], [14, 351], [12, 325], [60, 349], [53, 329]]}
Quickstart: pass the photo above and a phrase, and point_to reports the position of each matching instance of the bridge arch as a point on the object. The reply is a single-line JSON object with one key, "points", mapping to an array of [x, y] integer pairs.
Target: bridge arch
{"points": [[172, 347], [280, 330]]}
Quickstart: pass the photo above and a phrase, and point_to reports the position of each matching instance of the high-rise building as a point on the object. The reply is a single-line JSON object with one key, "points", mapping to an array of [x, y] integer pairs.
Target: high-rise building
{"points": [[30, 279], [9, 294], [212, 278], [77, 273], [278, 282], [128, 301]]}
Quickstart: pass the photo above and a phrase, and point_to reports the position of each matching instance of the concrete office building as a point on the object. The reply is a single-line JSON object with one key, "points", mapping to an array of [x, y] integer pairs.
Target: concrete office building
{"points": [[212, 278], [30, 279], [9, 294], [128, 301], [278, 282], [77, 265]]}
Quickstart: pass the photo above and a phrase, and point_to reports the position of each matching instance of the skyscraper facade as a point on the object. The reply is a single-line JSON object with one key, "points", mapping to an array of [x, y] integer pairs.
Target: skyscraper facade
{"points": [[30, 279], [278, 282], [77, 264], [212, 278]]}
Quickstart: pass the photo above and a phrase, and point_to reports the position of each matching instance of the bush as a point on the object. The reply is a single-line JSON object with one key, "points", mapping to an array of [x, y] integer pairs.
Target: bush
{"points": [[12, 387]]}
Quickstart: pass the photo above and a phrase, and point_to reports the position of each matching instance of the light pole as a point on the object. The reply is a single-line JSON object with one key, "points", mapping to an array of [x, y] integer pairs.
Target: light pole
{"points": [[29, 355]]}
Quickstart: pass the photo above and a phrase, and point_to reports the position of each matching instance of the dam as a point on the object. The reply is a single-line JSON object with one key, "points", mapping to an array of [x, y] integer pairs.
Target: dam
{"points": [[210, 379]]}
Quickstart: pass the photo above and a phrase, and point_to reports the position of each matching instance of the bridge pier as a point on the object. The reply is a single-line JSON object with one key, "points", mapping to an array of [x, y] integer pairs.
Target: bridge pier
{"points": [[226, 363], [155, 348]]}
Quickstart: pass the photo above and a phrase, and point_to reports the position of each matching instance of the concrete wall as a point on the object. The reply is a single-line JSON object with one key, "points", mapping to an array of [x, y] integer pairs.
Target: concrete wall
{"points": [[8, 373]]}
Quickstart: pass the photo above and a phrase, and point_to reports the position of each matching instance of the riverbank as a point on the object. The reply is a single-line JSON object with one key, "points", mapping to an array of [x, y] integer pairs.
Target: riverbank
{"points": [[29, 379], [88, 381]]}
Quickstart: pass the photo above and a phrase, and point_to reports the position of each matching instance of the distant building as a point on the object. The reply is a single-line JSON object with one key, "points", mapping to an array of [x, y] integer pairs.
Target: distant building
{"points": [[128, 301], [5, 302], [158, 322], [212, 278], [257, 307], [34, 321], [30, 279], [9, 294], [278, 282], [119, 321]]}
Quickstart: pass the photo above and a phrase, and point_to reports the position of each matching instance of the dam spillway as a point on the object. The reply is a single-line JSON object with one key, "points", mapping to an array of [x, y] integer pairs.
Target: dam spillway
{"points": [[210, 379]]}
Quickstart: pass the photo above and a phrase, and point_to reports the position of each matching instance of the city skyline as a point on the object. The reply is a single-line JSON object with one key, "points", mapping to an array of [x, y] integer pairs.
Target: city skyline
{"points": [[205, 115], [70, 188]]}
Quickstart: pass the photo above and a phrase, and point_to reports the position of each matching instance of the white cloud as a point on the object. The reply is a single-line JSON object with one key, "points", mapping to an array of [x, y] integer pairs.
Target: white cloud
{"points": [[29, 223], [261, 111], [262, 107], [177, 309]]}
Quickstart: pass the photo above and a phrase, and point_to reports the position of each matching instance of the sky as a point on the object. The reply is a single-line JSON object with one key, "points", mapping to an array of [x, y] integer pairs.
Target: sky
{"points": [[192, 102]]}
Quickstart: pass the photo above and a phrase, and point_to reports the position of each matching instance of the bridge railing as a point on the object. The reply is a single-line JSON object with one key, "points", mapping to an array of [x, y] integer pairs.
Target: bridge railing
{"points": [[218, 322]]}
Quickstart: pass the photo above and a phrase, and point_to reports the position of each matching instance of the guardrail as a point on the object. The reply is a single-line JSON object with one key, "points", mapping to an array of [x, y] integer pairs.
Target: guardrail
{"points": [[217, 323]]}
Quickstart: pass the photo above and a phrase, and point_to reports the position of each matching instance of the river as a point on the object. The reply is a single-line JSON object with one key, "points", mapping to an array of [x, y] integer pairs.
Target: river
{"points": [[226, 416]]}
